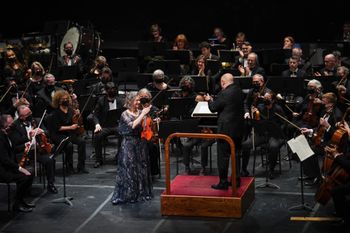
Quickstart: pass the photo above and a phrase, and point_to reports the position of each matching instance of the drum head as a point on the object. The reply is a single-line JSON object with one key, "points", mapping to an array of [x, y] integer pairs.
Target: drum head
{"points": [[73, 36]]}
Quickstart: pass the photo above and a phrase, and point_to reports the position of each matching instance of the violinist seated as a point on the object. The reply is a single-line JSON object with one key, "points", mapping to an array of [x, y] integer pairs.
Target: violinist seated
{"points": [[96, 70], [149, 132], [105, 77], [21, 136], [108, 102], [10, 171], [13, 98], [343, 88], [308, 112], [267, 111], [44, 98], [62, 126], [255, 95], [320, 136], [158, 83], [341, 192]]}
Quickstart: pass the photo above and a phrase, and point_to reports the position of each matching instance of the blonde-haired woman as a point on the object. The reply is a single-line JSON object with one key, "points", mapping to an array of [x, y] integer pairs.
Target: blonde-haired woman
{"points": [[129, 187]]}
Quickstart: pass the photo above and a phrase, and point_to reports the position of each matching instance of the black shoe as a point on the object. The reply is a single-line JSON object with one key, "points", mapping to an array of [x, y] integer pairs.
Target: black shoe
{"points": [[306, 178], [97, 164], [52, 189], [82, 170], [22, 208], [271, 175], [313, 182], [28, 204], [220, 186]]}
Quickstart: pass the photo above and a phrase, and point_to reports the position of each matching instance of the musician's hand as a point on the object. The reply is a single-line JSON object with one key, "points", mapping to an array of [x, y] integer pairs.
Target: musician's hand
{"points": [[324, 123], [98, 128], [341, 88], [317, 101], [208, 97], [146, 110], [76, 111], [24, 171], [305, 130], [241, 70], [317, 74], [346, 126], [26, 145], [295, 114], [74, 126], [247, 115]]}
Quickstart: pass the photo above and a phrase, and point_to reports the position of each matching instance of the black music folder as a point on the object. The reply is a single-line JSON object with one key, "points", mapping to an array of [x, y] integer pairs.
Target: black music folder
{"points": [[183, 56], [228, 55]]}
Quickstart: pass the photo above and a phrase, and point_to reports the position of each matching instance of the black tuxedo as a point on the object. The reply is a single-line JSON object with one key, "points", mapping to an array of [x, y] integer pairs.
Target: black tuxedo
{"points": [[9, 168], [100, 115], [19, 137], [257, 70], [229, 105], [299, 74]]}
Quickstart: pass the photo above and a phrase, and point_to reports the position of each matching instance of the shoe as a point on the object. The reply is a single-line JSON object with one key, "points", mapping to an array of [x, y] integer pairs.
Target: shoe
{"points": [[271, 175], [22, 208], [97, 164], [306, 178], [117, 202], [313, 182], [220, 186], [52, 189], [27, 204]]}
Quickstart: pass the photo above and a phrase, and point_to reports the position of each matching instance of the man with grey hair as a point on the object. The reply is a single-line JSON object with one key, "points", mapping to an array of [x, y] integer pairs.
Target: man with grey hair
{"points": [[45, 94], [229, 105]]}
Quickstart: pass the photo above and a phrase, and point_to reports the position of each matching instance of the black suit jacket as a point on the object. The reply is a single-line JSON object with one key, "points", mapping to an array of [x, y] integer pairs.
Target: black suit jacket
{"points": [[229, 105], [300, 73], [101, 109], [18, 136], [44, 101], [8, 163]]}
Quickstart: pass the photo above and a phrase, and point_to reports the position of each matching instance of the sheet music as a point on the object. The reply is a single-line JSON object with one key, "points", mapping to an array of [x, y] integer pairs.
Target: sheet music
{"points": [[202, 110], [301, 147]]}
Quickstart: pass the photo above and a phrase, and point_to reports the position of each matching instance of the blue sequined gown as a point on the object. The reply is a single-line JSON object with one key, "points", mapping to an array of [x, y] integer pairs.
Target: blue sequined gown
{"points": [[133, 179]]}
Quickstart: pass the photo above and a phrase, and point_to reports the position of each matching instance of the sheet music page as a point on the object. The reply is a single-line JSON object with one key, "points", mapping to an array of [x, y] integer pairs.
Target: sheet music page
{"points": [[301, 147], [202, 109]]}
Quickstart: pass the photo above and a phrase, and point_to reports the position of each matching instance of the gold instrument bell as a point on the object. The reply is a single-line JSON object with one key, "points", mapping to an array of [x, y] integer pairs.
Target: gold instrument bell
{"points": [[226, 65]]}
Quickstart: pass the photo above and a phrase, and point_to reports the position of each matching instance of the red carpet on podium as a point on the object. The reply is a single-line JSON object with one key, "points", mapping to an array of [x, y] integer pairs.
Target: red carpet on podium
{"points": [[201, 186]]}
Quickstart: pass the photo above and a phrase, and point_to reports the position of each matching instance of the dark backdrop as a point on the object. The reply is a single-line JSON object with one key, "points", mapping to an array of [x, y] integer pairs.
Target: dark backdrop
{"points": [[261, 20]]}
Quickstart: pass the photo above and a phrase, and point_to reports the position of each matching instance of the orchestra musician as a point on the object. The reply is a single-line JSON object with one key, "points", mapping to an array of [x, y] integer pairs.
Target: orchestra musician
{"points": [[14, 68], [320, 136], [21, 135], [99, 63], [158, 83], [108, 102], [62, 126], [267, 111], [10, 171], [149, 132], [70, 59], [229, 105], [105, 77]]}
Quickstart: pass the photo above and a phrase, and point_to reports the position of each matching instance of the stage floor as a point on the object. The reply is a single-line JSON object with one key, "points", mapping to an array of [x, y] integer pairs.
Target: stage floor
{"points": [[93, 212]]}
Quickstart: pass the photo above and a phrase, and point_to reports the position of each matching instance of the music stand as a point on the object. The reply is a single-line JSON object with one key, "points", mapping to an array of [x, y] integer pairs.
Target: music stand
{"points": [[150, 48], [171, 67], [113, 118], [303, 205], [213, 66], [67, 72], [181, 107], [228, 55], [64, 199], [124, 64], [268, 129], [183, 56], [143, 79], [201, 83]]}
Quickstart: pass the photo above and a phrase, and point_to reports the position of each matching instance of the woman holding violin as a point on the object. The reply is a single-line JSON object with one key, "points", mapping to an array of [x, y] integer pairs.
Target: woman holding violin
{"points": [[62, 126], [21, 135], [149, 133], [133, 181]]}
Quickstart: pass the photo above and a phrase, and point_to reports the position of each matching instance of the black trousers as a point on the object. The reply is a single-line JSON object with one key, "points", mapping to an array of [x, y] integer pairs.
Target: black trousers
{"points": [[339, 194], [49, 165], [98, 140], [224, 154], [68, 149], [188, 146], [23, 183]]}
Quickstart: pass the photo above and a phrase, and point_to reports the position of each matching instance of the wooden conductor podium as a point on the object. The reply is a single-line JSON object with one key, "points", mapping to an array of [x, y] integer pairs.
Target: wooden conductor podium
{"points": [[193, 195]]}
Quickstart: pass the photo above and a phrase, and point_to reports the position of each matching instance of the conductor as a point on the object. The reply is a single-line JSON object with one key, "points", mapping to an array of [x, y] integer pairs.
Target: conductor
{"points": [[229, 105]]}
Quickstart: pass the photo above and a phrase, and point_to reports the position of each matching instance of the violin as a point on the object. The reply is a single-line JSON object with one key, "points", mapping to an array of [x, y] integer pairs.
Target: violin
{"points": [[149, 129], [310, 116], [44, 147], [77, 119]]}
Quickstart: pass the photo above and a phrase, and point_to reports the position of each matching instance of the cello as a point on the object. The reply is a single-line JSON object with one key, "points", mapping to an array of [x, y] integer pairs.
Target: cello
{"points": [[336, 176]]}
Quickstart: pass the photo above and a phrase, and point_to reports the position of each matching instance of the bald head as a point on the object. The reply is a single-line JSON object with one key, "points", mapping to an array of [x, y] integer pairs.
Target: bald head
{"points": [[226, 80]]}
